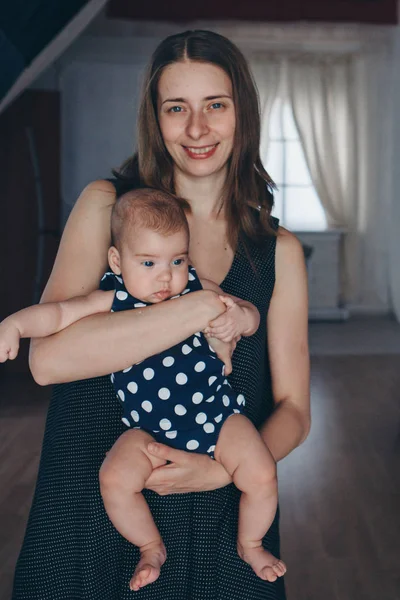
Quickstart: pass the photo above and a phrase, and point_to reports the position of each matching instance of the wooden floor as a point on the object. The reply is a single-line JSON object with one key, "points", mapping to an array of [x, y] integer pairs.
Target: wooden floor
{"points": [[339, 492]]}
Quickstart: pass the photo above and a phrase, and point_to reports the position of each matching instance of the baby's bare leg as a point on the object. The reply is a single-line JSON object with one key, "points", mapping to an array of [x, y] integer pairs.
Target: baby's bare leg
{"points": [[244, 455], [123, 474]]}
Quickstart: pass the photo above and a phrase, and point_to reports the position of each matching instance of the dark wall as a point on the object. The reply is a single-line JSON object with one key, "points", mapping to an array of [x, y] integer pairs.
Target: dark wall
{"points": [[19, 230], [358, 11]]}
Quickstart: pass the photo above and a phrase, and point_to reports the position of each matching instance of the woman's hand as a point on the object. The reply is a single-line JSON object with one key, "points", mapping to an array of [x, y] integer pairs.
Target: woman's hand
{"points": [[187, 472]]}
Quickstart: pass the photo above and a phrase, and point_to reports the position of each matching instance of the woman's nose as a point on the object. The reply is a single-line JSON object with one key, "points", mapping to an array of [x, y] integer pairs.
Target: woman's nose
{"points": [[197, 125]]}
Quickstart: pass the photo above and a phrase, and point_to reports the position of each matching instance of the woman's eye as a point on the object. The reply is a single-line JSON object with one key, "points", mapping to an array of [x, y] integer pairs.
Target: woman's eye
{"points": [[217, 105], [175, 109], [147, 263]]}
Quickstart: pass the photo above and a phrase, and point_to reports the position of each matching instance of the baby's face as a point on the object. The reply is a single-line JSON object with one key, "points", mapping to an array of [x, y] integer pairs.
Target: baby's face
{"points": [[154, 266]]}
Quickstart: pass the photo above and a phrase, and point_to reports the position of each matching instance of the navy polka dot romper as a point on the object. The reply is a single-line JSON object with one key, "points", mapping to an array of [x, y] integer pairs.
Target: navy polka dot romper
{"points": [[180, 396]]}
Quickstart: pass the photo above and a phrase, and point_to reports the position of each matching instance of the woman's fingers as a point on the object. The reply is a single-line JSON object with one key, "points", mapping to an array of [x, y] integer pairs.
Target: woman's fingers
{"points": [[166, 452], [159, 481], [198, 474], [225, 330], [219, 321], [220, 329], [223, 334], [229, 302]]}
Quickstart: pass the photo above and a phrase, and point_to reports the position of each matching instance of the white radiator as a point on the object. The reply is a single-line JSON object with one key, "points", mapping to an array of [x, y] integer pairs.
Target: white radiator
{"points": [[323, 274]]}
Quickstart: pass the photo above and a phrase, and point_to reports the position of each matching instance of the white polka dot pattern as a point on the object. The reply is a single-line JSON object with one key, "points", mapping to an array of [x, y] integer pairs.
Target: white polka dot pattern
{"points": [[209, 427], [164, 393], [121, 295], [201, 418], [168, 361], [135, 416], [148, 374], [197, 398], [192, 445], [181, 378], [132, 387], [165, 424]]}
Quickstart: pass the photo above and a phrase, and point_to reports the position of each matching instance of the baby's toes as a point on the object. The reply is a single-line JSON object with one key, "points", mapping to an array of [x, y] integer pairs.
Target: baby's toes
{"points": [[269, 575], [140, 578], [279, 568]]}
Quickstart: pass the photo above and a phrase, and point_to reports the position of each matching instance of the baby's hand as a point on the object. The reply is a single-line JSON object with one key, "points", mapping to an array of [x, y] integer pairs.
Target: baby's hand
{"points": [[231, 324], [9, 341], [224, 351]]}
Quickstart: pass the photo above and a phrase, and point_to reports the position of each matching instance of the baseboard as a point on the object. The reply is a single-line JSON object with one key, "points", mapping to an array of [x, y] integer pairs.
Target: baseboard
{"points": [[328, 314], [367, 311]]}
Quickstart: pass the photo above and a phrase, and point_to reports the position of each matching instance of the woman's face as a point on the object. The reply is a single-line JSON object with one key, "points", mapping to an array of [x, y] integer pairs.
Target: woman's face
{"points": [[197, 117]]}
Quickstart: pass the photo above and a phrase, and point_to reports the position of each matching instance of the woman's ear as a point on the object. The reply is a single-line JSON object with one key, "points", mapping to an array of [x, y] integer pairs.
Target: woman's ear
{"points": [[114, 260]]}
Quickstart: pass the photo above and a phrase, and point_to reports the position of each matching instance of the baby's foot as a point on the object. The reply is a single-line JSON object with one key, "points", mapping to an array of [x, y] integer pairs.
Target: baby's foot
{"points": [[263, 563], [152, 557]]}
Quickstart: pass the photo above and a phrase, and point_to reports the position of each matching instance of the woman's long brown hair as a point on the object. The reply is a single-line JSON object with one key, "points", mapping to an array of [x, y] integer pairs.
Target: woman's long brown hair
{"points": [[247, 195]]}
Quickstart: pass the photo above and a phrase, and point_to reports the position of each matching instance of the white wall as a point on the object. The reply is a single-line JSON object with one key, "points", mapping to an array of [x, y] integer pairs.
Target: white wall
{"points": [[99, 81], [99, 105]]}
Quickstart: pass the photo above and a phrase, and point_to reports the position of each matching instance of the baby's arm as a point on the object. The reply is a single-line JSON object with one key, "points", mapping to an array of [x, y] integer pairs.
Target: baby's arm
{"points": [[241, 317], [42, 320]]}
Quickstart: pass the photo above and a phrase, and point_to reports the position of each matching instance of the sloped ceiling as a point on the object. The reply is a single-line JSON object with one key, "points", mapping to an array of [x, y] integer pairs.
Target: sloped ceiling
{"points": [[33, 34]]}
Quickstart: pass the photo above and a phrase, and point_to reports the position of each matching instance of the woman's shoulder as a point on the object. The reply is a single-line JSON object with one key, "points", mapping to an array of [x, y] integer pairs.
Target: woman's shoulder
{"points": [[101, 188], [97, 194], [289, 251], [287, 242]]}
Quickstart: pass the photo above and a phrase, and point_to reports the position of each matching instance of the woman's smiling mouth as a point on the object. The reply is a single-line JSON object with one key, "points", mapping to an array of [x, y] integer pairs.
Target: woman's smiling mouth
{"points": [[200, 153]]}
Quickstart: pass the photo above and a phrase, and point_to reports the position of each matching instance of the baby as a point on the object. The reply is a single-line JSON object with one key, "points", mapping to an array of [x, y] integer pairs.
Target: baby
{"points": [[180, 397]]}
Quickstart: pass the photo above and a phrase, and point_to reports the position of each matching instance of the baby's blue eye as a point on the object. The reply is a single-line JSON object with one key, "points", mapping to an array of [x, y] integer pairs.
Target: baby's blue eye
{"points": [[177, 261], [148, 263]]}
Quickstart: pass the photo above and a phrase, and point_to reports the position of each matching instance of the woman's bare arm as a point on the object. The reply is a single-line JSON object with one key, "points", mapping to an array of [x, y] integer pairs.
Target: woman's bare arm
{"points": [[287, 322], [100, 344]]}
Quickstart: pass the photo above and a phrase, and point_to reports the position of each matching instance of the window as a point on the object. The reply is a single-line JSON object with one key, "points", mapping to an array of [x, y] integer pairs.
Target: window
{"points": [[296, 202]]}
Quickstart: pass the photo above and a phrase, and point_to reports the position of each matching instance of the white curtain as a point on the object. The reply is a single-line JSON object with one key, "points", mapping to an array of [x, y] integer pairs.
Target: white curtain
{"points": [[267, 71], [335, 100]]}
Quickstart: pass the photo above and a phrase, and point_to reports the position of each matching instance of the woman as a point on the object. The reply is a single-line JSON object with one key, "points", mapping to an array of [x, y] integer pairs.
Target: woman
{"points": [[198, 137]]}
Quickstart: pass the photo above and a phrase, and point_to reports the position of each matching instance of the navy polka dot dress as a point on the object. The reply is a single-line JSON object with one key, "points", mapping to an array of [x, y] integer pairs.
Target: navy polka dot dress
{"points": [[180, 396], [71, 550]]}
